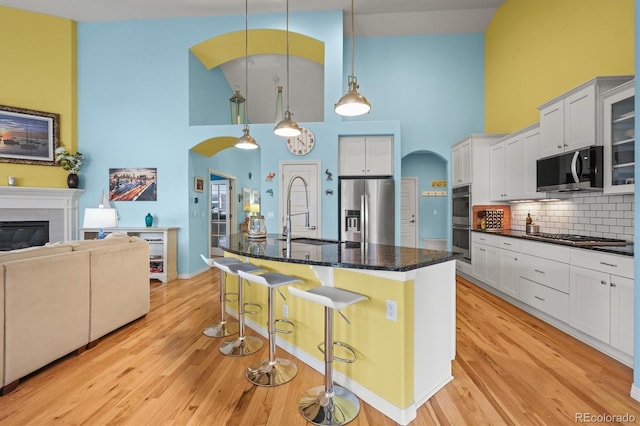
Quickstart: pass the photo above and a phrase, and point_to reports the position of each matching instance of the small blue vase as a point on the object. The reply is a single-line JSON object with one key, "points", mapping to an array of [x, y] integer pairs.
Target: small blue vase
{"points": [[148, 220]]}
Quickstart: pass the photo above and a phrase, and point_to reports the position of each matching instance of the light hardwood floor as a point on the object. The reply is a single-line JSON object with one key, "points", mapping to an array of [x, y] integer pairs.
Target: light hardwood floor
{"points": [[510, 368]]}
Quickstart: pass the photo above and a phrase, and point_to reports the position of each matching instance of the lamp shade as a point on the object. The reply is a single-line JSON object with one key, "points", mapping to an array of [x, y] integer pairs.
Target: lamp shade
{"points": [[287, 127], [254, 208], [246, 141], [100, 218], [352, 103]]}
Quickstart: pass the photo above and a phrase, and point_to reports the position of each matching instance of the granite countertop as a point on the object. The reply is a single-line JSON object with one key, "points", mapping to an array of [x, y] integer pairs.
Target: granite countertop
{"points": [[626, 250], [336, 254]]}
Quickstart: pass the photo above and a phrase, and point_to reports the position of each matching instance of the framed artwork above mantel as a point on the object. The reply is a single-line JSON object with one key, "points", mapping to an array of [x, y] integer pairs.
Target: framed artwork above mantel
{"points": [[28, 136]]}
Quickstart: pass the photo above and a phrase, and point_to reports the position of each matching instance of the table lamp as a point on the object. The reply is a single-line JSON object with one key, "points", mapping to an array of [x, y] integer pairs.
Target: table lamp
{"points": [[257, 227], [100, 218]]}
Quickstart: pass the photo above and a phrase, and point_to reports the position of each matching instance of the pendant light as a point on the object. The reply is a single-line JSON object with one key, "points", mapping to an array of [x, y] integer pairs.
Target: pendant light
{"points": [[287, 127], [246, 141], [353, 103]]}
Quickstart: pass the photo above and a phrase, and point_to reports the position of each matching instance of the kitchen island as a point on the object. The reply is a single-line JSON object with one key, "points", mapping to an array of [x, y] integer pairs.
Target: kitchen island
{"points": [[404, 335]]}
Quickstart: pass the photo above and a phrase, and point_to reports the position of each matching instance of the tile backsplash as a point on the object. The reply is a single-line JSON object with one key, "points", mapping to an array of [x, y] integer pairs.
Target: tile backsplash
{"points": [[585, 213]]}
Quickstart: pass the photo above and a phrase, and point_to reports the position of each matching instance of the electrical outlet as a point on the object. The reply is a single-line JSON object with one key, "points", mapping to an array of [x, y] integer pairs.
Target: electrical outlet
{"points": [[392, 310], [285, 310]]}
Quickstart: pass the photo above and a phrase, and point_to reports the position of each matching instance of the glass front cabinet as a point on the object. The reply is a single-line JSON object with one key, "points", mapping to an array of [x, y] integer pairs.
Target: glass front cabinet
{"points": [[619, 139]]}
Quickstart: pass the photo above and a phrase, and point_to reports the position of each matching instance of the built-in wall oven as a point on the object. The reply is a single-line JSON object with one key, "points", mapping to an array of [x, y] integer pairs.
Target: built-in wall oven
{"points": [[461, 221]]}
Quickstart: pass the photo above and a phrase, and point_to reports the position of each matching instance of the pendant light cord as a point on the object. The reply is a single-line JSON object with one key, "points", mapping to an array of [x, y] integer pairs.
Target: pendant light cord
{"points": [[246, 61], [353, 42], [288, 106]]}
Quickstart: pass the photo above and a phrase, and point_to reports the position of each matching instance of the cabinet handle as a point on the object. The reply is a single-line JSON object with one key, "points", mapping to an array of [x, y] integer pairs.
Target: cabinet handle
{"points": [[603, 282], [566, 144], [515, 258], [613, 284], [559, 146], [539, 298], [609, 264], [482, 249], [507, 244], [539, 271]]}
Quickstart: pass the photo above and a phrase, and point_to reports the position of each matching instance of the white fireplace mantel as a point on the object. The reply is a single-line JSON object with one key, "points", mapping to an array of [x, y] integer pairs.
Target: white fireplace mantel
{"points": [[20, 197]]}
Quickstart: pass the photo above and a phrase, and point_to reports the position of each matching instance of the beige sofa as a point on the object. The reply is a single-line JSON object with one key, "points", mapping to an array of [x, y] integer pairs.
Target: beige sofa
{"points": [[61, 298]]}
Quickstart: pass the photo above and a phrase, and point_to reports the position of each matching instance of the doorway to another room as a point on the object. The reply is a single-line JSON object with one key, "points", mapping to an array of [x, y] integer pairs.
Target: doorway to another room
{"points": [[221, 217]]}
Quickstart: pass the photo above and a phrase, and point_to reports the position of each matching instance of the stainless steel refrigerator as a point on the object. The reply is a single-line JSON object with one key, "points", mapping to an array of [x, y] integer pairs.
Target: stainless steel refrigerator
{"points": [[367, 210]]}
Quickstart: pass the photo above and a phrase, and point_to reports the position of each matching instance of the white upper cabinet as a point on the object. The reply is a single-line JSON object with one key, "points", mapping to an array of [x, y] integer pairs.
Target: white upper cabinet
{"points": [[366, 156], [619, 139], [513, 166], [574, 119], [470, 165], [461, 164]]}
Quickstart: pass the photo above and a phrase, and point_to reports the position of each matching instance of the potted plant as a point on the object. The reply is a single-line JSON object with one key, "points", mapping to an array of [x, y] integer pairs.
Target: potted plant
{"points": [[71, 163]]}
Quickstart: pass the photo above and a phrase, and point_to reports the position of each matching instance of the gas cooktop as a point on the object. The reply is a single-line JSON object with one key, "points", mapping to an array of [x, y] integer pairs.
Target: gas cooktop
{"points": [[577, 240]]}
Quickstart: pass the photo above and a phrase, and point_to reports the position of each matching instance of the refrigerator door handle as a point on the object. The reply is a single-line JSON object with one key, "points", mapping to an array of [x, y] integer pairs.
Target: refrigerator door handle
{"points": [[364, 213]]}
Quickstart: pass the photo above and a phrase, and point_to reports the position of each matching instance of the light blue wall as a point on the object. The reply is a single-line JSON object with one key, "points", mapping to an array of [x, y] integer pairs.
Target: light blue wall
{"points": [[209, 94], [134, 86]]}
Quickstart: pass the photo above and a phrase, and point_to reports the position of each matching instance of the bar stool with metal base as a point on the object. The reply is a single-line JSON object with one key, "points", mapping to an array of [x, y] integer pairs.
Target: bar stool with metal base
{"points": [[224, 327], [242, 345], [329, 404], [274, 371]]}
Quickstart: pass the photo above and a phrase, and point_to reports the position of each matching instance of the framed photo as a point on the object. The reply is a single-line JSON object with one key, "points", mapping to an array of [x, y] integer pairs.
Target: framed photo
{"points": [[28, 136], [255, 196], [133, 184], [246, 199], [198, 184]]}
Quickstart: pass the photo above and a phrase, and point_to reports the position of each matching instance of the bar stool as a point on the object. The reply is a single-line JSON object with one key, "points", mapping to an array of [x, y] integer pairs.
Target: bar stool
{"points": [[274, 371], [224, 327], [242, 345], [329, 404]]}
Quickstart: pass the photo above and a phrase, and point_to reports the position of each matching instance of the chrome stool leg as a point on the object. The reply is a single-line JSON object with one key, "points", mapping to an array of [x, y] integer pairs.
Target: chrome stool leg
{"points": [[224, 327], [329, 404], [274, 371], [242, 345]]}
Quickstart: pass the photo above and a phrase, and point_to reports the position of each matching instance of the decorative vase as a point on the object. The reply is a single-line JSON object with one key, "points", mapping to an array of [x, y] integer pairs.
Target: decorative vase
{"points": [[73, 180], [148, 220]]}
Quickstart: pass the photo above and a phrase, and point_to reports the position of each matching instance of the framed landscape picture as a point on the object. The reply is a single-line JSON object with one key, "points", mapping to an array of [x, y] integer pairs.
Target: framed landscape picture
{"points": [[129, 184], [28, 136]]}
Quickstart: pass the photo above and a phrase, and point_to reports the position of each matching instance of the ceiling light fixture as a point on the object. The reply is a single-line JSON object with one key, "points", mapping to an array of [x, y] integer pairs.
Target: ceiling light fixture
{"points": [[246, 141], [287, 127], [352, 103]]}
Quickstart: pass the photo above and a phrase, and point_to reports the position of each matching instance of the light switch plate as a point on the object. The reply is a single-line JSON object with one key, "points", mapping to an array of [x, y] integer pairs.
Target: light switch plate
{"points": [[392, 310]]}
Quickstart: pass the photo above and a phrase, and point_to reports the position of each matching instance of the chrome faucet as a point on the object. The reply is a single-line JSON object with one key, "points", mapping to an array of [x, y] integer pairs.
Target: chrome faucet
{"points": [[289, 214]]}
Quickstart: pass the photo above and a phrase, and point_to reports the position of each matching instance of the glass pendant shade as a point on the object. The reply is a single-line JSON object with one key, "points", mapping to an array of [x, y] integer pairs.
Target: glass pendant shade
{"points": [[287, 127], [352, 103], [279, 108], [246, 141], [236, 103]]}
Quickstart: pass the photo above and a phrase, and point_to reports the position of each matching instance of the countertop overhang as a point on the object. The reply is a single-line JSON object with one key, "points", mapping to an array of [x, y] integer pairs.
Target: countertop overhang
{"points": [[336, 254], [626, 250]]}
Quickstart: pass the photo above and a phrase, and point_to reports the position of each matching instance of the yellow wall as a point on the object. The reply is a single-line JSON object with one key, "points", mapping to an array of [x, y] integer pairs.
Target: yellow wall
{"points": [[537, 49], [38, 57]]}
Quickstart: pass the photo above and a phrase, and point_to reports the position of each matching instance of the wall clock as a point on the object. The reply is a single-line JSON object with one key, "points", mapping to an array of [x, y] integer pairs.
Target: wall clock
{"points": [[301, 144]]}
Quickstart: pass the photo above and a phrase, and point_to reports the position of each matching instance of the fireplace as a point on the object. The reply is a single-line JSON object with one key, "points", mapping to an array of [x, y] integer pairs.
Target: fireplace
{"points": [[22, 234]]}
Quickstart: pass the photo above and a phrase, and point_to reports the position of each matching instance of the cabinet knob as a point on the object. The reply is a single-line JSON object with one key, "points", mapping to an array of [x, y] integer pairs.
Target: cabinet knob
{"points": [[603, 282], [613, 284], [559, 146], [566, 144]]}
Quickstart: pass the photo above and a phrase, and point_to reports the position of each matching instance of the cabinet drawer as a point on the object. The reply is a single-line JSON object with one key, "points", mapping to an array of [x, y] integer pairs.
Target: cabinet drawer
{"points": [[484, 238], [603, 262], [545, 299], [546, 250], [507, 243], [546, 272]]}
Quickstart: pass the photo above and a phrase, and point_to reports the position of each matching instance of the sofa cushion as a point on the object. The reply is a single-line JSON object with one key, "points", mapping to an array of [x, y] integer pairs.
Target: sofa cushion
{"points": [[31, 252]]}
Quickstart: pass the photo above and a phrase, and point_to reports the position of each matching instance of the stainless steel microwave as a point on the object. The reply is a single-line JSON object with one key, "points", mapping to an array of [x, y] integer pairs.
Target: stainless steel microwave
{"points": [[571, 171]]}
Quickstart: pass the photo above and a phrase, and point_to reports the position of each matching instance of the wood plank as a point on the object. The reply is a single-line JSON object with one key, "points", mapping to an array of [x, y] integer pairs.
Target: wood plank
{"points": [[510, 368]]}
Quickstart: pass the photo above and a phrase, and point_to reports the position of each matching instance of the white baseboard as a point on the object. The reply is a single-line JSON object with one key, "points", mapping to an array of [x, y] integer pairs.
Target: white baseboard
{"points": [[635, 392]]}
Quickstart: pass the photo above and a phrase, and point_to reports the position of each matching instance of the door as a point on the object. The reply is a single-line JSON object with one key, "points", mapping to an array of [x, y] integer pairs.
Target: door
{"points": [[310, 172], [590, 302], [409, 212], [221, 217]]}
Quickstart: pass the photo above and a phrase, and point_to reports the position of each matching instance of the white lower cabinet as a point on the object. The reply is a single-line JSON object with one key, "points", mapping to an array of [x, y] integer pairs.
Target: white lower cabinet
{"points": [[602, 301], [589, 291]]}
